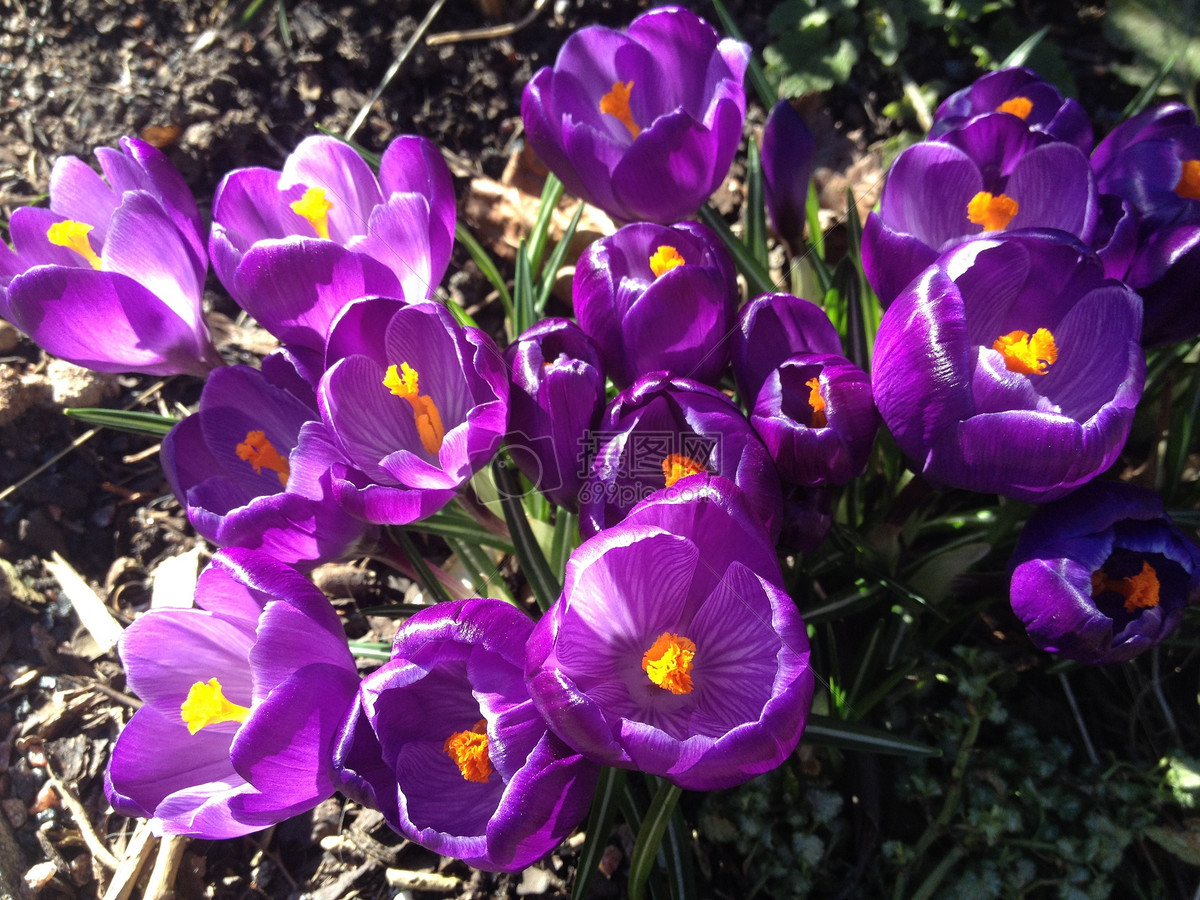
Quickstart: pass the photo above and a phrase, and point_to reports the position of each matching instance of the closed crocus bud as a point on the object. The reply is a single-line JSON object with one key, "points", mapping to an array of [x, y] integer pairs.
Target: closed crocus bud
{"points": [[663, 429], [655, 298], [991, 175], [242, 699], [111, 276], [674, 648], [413, 404], [1022, 94], [1012, 365], [1102, 574], [444, 740], [231, 466], [817, 419], [1152, 162], [554, 407], [642, 123], [771, 328], [294, 246], [787, 165]]}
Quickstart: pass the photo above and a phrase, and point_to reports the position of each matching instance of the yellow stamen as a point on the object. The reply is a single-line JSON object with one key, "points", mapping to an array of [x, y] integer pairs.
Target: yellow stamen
{"points": [[1189, 180], [469, 750], [669, 663], [817, 402], [314, 207], [261, 454], [405, 383], [616, 103], [74, 236], [206, 705], [1027, 354], [1020, 107], [664, 260], [1140, 591], [992, 212], [676, 466]]}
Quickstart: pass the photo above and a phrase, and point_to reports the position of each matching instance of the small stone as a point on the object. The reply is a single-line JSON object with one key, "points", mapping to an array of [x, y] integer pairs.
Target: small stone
{"points": [[72, 385], [9, 337], [40, 875], [14, 811]]}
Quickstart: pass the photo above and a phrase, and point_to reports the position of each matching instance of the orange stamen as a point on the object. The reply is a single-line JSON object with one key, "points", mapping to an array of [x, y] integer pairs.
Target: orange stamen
{"points": [[261, 454], [405, 383], [1027, 354], [1020, 107], [817, 402], [74, 236], [1189, 180], [669, 663], [469, 750], [315, 208], [676, 466], [1140, 591], [993, 212], [664, 260], [616, 104], [206, 705]]}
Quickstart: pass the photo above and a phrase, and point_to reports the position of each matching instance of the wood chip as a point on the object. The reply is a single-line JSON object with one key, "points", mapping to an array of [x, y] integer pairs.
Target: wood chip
{"points": [[404, 880], [132, 862], [175, 580], [104, 629]]}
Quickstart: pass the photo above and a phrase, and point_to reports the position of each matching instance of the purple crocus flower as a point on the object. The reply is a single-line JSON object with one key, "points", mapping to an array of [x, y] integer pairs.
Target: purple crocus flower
{"points": [[243, 697], [231, 464], [111, 276], [655, 297], [412, 405], [1102, 574], [663, 429], [1152, 161], [674, 648], [787, 166], [772, 327], [1021, 93], [1011, 365], [556, 402], [993, 174], [444, 740], [642, 123], [293, 247], [817, 419]]}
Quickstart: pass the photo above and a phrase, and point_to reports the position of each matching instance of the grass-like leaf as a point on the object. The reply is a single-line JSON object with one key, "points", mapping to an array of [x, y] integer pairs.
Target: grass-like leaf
{"points": [[124, 420]]}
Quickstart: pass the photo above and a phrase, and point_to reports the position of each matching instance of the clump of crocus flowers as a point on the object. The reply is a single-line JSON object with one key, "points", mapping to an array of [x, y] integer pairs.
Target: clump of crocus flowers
{"points": [[1010, 361]]}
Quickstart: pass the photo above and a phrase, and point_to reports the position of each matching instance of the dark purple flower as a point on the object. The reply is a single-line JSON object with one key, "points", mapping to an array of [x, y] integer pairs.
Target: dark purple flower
{"points": [[642, 123], [231, 463], [1011, 365], [655, 297], [1102, 574], [662, 429], [674, 648], [111, 276], [555, 406], [1021, 93], [1152, 162], [445, 741], [412, 405], [787, 165], [991, 175], [243, 697], [771, 328], [293, 247], [817, 419]]}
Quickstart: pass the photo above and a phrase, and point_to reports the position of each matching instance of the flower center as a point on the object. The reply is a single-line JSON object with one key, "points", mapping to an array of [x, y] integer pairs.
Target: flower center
{"points": [[817, 402], [315, 208], [1027, 354], [676, 466], [664, 260], [1189, 180], [669, 663], [206, 705], [469, 750], [404, 383], [261, 454], [1020, 107], [74, 236], [616, 104], [993, 212], [1140, 591]]}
